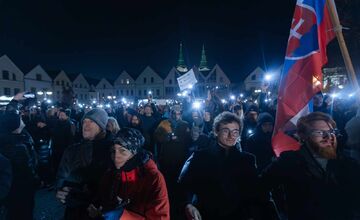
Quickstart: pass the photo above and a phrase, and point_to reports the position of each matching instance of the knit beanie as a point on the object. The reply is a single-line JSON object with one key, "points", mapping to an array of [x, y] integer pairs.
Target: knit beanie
{"points": [[265, 117], [129, 138], [99, 116], [10, 121]]}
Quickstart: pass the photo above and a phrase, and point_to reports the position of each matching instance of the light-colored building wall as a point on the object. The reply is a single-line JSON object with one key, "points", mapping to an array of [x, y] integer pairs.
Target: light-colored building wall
{"points": [[147, 81], [81, 89], [125, 86], [60, 82], [37, 80], [11, 77]]}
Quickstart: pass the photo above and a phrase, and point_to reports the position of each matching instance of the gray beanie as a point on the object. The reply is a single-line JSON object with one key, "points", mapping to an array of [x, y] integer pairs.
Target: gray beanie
{"points": [[99, 116]]}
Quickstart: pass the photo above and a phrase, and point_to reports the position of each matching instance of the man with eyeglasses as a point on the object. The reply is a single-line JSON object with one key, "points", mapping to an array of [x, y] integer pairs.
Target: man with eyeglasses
{"points": [[318, 182], [220, 181]]}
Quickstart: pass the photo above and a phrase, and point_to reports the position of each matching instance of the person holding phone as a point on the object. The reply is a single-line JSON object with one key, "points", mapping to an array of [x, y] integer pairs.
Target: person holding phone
{"points": [[134, 188]]}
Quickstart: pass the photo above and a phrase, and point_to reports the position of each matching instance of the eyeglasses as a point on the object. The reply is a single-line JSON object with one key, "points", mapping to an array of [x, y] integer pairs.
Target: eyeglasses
{"points": [[227, 131], [324, 133]]}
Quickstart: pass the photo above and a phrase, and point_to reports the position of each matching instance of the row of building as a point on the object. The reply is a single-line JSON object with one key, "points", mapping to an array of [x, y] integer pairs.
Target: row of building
{"points": [[86, 89]]}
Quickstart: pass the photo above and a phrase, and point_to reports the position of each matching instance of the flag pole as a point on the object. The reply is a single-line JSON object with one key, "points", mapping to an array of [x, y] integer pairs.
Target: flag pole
{"points": [[344, 50]]}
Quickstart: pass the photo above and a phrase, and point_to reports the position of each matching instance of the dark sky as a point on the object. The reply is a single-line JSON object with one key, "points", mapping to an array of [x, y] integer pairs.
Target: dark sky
{"points": [[104, 37]]}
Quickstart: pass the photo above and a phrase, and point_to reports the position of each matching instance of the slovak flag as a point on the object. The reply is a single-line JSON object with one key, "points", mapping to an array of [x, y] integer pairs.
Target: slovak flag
{"points": [[301, 77]]}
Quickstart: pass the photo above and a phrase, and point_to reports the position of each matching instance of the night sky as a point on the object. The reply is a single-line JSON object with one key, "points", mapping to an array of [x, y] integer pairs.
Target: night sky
{"points": [[102, 38]]}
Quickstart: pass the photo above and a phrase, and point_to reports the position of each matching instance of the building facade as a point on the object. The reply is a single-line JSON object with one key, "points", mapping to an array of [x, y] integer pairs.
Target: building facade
{"points": [[124, 85], [11, 77], [37, 80], [149, 81]]}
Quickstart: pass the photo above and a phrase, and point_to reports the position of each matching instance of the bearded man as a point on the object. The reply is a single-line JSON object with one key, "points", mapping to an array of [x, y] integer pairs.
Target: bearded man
{"points": [[318, 182]]}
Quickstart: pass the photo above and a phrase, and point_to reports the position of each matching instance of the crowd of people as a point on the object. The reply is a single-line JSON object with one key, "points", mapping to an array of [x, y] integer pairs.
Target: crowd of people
{"points": [[180, 162]]}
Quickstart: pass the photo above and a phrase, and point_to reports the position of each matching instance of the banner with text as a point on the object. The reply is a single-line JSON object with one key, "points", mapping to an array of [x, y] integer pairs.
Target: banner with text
{"points": [[187, 81]]}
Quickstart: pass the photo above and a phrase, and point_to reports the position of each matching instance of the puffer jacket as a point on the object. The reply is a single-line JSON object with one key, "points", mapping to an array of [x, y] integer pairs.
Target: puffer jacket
{"points": [[141, 184]]}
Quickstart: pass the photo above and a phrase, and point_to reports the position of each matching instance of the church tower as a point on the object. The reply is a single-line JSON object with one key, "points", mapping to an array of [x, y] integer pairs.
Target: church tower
{"points": [[203, 62], [181, 66]]}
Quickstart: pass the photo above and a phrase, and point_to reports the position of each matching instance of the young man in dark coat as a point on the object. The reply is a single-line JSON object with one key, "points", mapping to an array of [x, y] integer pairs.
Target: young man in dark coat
{"points": [[83, 165], [319, 183], [223, 178], [259, 143], [17, 146]]}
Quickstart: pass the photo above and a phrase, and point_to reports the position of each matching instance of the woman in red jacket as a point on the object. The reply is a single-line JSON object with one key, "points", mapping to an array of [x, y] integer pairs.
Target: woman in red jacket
{"points": [[134, 188]]}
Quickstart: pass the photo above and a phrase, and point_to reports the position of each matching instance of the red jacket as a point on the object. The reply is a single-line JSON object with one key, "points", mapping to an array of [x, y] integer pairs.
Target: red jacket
{"points": [[144, 186]]}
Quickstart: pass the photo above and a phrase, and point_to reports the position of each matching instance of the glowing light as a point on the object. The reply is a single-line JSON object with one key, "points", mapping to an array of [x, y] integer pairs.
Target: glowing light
{"points": [[94, 102], [196, 105], [223, 101], [49, 93], [241, 95], [340, 86], [250, 131], [179, 94], [190, 86], [268, 77], [109, 97], [108, 106], [334, 95], [48, 101], [232, 97], [150, 92], [40, 93]]}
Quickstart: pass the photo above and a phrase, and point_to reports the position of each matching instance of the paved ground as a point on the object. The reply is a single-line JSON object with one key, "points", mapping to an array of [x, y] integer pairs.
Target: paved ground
{"points": [[47, 207]]}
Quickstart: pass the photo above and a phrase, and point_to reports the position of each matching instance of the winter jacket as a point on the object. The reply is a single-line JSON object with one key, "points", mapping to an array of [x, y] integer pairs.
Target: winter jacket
{"points": [[174, 141], [19, 150], [5, 177], [259, 144], [313, 192], [81, 168], [140, 183], [224, 182]]}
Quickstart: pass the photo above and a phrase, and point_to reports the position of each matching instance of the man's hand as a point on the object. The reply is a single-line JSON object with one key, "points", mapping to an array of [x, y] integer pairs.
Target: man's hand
{"points": [[41, 124], [19, 96], [192, 213], [62, 194], [94, 212]]}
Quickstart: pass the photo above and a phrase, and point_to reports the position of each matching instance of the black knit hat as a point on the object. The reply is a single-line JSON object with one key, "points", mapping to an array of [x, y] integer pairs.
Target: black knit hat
{"points": [[10, 121], [265, 117], [129, 138], [252, 108]]}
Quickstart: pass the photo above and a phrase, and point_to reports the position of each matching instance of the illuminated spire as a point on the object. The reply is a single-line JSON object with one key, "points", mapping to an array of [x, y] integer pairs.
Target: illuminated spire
{"points": [[203, 62], [181, 67]]}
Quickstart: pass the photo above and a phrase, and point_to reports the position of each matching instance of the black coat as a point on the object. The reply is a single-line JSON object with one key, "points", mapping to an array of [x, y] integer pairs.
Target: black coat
{"points": [[5, 177], [81, 168], [224, 182], [311, 191], [19, 150], [259, 144]]}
